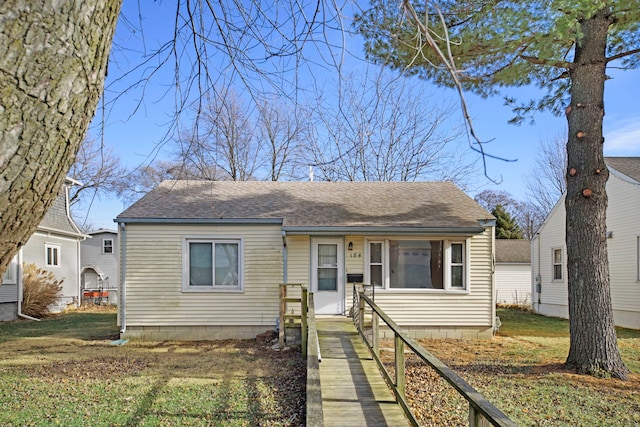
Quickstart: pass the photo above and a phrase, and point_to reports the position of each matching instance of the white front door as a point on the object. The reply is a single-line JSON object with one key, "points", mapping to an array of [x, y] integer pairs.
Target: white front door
{"points": [[327, 275]]}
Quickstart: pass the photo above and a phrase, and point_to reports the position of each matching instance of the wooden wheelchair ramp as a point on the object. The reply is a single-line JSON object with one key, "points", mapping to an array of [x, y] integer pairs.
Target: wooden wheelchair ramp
{"points": [[353, 391]]}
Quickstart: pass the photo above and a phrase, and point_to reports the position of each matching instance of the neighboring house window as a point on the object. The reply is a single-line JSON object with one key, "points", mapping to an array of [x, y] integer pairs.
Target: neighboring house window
{"points": [[212, 264], [419, 264], [52, 255], [107, 246], [638, 258], [10, 276], [557, 264]]}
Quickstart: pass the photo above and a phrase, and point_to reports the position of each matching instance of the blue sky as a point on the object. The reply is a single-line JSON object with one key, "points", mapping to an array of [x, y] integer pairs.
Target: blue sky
{"points": [[134, 133]]}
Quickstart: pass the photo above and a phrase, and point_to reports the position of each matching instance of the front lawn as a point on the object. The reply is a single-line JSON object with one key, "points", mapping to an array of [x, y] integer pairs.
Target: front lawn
{"points": [[521, 371], [65, 370]]}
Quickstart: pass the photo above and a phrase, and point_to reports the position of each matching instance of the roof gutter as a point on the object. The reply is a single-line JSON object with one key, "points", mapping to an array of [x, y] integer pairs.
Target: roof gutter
{"points": [[381, 231], [216, 221], [78, 235]]}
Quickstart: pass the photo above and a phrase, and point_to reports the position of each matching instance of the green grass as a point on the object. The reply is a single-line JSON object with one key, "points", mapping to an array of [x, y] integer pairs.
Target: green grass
{"points": [[522, 372], [522, 323], [64, 371], [80, 325]]}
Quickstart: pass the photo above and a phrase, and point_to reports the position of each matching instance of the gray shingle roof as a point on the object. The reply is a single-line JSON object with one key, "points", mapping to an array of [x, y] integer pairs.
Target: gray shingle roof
{"points": [[629, 166], [56, 217], [513, 251], [312, 204]]}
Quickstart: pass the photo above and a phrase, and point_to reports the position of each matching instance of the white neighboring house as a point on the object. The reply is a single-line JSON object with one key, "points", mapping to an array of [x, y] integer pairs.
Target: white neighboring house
{"points": [[99, 256], [513, 271], [55, 247], [549, 258]]}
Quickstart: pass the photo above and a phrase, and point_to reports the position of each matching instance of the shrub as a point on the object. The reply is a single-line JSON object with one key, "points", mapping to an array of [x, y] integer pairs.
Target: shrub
{"points": [[40, 290]]}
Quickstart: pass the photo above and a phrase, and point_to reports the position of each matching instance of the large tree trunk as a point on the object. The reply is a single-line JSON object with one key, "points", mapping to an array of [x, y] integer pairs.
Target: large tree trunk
{"points": [[593, 343], [53, 59]]}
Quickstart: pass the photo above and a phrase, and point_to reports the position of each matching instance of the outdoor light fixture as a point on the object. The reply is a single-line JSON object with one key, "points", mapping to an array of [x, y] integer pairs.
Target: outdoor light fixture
{"points": [[350, 246]]}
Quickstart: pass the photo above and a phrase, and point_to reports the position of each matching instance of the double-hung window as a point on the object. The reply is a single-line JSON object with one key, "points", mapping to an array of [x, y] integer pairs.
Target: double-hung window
{"points": [[375, 264], [557, 264], [107, 246], [10, 277], [212, 264], [52, 255], [418, 264]]}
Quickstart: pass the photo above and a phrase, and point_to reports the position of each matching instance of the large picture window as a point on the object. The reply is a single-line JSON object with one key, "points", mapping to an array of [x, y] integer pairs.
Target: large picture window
{"points": [[212, 264], [418, 264]]}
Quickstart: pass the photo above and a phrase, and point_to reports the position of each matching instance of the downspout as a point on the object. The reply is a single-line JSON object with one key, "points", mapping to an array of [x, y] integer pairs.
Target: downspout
{"points": [[538, 278], [79, 269], [123, 269], [284, 257], [19, 277]]}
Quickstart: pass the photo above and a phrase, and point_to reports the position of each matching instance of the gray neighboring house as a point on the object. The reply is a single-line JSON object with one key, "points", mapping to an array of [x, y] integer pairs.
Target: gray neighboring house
{"points": [[9, 291], [99, 256], [513, 271], [55, 247]]}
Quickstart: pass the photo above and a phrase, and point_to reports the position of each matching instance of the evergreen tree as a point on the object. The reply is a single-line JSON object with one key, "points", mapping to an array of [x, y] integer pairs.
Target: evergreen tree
{"points": [[564, 47], [506, 226]]}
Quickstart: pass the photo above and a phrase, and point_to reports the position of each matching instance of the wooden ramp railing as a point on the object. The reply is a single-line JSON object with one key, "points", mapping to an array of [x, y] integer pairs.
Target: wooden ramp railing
{"points": [[481, 412], [293, 312]]}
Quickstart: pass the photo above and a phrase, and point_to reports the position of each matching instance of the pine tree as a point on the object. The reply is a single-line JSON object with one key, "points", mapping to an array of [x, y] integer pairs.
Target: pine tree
{"points": [[565, 48], [506, 226]]}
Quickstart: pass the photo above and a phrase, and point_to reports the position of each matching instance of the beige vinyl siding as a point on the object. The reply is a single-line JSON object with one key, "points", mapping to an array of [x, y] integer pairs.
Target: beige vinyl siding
{"points": [[298, 260], [454, 308], [624, 224], [355, 262], [154, 277]]}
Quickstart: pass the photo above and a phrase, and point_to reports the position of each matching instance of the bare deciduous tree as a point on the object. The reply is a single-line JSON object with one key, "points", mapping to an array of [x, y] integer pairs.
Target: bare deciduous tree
{"points": [[143, 179], [98, 171], [547, 183], [283, 133], [527, 215], [386, 129]]}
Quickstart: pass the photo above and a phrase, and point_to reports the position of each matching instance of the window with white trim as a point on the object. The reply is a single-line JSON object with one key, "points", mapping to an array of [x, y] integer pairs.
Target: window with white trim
{"points": [[107, 246], [638, 258], [375, 263], [52, 255], [212, 264], [557, 264], [10, 276], [418, 264]]}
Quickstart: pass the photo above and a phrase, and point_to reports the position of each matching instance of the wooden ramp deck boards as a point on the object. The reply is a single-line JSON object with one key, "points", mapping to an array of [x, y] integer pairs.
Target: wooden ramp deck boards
{"points": [[353, 391]]}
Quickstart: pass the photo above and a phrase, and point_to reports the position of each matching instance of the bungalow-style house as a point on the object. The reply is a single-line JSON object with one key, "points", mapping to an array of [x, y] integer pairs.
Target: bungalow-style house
{"points": [[549, 260], [513, 271], [204, 259], [99, 274], [55, 247]]}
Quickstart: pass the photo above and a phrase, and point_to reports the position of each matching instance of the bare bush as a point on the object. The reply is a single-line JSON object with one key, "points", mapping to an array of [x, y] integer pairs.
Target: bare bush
{"points": [[40, 290]]}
